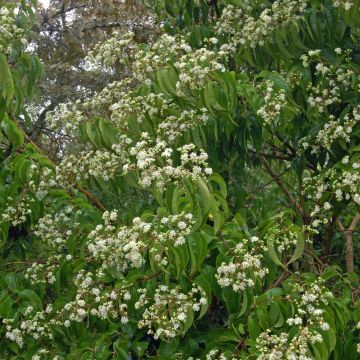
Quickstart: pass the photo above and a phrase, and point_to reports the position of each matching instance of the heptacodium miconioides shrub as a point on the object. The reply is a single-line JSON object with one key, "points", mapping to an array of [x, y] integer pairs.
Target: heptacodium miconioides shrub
{"points": [[138, 242]]}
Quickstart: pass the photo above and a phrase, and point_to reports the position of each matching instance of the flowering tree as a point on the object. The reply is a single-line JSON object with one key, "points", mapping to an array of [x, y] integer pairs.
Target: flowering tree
{"points": [[62, 34], [200, 203]]}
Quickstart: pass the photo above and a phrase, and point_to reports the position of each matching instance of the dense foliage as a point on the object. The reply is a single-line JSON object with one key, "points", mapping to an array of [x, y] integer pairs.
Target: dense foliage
{"points": [[204, 207]]}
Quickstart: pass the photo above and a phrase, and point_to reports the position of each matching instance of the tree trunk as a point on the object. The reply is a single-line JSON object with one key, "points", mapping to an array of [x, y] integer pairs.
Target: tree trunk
{"points": [[349, 257], [349, 245]]}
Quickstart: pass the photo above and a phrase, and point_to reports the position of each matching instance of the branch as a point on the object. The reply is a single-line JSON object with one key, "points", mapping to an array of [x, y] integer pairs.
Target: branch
{"points": [[349, 245], [340, 225], [282, 186], [354, 222], [60, 12], [352, 225], [287, 145], [270, 156], [39, 123]]}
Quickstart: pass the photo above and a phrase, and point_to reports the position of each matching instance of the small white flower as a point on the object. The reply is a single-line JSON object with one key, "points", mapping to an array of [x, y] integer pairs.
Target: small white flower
{"points": [[66, 323]]}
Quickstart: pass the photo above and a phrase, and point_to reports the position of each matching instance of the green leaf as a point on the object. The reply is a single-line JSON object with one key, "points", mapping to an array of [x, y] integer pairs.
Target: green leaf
{"points": [[198, 251], [247, 301], [299, 249], [6, 80], [14, 135], [272, 252], [6, 304], [221, 184], [212, 97], [107, 133], [22, 170], [167, 79], [93, 134], [204, 195], [276, 316], [179, 257], [253, 328], [32, 297]]}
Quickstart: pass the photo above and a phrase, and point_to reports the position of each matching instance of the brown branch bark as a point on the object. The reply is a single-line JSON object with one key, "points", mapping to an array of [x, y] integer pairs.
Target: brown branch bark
{"points": [[349, 245]]}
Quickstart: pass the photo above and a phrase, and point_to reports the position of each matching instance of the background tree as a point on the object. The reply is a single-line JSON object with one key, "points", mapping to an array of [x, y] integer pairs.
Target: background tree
{"points": [[62, 36]]}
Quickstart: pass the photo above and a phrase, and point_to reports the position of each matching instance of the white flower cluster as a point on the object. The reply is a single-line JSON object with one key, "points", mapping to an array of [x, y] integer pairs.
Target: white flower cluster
{"points": [[43, 273], [36, 326], [120, 248], [126, 247], [55, 230], [340, 183], [162, 53], [275, 101], [195, 68], [150, 156], [100, 103], [292, 77], [309, 302], [215, 354], [68, 116], [92, 299], [166, 317], [332, 81], [65, 116], [104, 164], [229, 20], [96, 300], [180, 121], [47, 181], [336, 130], [346, 4], [10, 33], [172, 119], [17, 210], [115, 50], [118, 102], [99, 163], [41, 353], [173, 229], [312, 55], [155, 162], [246, 265], [244, 29], [152, 105], [283, 237]]}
